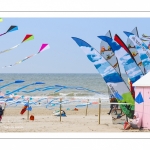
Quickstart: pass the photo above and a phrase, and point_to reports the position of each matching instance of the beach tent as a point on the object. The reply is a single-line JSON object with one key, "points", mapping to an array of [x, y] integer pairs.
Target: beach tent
{"points": [[142, 99]]}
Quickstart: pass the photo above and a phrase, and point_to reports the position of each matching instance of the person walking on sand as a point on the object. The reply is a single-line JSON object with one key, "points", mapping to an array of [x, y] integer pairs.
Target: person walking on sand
{"points": [[113, 106], [1, 112]]}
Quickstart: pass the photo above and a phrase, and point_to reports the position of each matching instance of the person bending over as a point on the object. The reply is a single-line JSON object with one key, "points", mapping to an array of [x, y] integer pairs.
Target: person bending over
{"points": [[135, 123]]}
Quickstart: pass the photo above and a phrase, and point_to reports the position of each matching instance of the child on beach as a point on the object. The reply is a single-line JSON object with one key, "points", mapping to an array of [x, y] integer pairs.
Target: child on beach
{"points": [[135, 123]]}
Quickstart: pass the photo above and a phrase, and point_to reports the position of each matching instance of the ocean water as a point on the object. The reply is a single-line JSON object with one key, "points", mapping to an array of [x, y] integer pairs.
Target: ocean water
{"points": [[90, 81]]}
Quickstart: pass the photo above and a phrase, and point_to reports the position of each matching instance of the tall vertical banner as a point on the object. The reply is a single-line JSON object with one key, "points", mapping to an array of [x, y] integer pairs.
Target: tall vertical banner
{"points": [[113, 80], [130, 65], [108, 54], [132, 70], [142, 49], [134, 52]]}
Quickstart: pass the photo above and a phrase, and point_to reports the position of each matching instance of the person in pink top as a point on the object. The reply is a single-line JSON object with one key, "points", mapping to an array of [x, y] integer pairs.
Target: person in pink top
{"points": [[135, 123]]}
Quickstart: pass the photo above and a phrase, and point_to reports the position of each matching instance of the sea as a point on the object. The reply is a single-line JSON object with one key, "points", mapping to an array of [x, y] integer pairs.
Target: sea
{"points": [[77, 86]]}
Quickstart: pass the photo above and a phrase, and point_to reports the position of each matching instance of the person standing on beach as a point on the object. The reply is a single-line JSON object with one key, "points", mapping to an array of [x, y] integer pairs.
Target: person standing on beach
{"points": [[1, 112], [113, 106]]}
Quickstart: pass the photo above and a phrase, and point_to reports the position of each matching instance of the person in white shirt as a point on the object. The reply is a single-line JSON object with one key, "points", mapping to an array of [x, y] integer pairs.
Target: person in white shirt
{"points": [[135, 123]]}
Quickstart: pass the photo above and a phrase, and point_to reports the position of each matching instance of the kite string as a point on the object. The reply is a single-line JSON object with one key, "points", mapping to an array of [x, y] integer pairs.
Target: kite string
{"points": [[30, 56]]}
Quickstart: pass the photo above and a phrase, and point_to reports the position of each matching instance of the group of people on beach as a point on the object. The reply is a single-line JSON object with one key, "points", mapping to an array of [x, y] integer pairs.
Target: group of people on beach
{"points": [[134, 123]]}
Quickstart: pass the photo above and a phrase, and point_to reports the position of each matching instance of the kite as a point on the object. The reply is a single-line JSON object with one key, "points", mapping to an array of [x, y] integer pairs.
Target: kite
{"points": [[15, 99], [42, 48], [17, 90], [60, 87], [11, 29], [142, 49], [28, 37], [114, 81], [17, 81]]}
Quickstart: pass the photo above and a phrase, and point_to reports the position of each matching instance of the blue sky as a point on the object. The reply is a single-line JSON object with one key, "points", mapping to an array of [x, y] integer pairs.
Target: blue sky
{"points": [[64, 55]]}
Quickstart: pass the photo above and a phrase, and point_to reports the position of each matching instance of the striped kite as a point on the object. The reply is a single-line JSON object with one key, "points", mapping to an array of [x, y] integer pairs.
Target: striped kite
{"points": [[28, 37], [43, 47], [11, 29]]}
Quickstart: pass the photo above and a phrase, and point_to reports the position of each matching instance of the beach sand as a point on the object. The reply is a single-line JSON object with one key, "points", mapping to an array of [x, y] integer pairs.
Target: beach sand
{"points": [[76, 121]]}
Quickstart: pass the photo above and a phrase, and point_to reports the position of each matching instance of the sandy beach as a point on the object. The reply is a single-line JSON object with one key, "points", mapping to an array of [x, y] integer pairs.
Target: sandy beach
{"points": [[76, 121]]}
